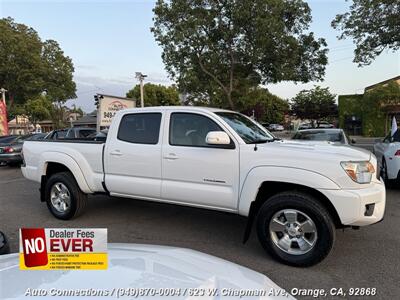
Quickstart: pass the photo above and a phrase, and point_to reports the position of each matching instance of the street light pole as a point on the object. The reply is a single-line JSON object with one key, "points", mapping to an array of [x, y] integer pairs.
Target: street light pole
{"points": [[141, 78]]}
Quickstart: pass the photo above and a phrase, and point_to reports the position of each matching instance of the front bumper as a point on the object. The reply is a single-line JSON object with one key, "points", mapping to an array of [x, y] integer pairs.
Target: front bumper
{"points": [[10, 158], [359, 207]]}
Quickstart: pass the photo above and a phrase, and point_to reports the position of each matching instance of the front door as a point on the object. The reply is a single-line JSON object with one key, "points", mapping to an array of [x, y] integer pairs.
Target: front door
{"points": [[194, 172]]}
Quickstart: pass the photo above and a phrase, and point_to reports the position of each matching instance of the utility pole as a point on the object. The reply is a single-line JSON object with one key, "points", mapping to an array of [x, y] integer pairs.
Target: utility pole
{"points": [[139, 76], [3, 95]]}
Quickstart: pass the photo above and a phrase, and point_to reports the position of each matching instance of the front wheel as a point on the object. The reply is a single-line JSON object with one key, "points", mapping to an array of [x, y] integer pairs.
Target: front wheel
{"points": [[63, 196], [295, 229]]}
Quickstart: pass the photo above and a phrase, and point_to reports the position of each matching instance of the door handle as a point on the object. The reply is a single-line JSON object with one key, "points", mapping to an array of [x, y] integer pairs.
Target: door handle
{"points": [[171, 156], [116, 153]]}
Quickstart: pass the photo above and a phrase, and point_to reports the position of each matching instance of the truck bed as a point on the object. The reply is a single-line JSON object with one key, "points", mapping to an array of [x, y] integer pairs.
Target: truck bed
{"points": [[86, 156]]}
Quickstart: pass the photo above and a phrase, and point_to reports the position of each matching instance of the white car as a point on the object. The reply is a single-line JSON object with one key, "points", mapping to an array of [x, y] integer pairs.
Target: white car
{"points": [[388, 154], [154, 271], [331, 135], [296, 193], [276, 127]]}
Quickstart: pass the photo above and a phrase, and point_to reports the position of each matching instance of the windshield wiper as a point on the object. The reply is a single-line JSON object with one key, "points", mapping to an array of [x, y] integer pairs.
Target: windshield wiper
{"points": [[260, 141], [256, 142], [275, 139]]}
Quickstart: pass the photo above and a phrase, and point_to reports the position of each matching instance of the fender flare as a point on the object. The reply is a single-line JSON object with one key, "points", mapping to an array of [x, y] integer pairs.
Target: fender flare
{"points": [[68, 162], [258, 175]]}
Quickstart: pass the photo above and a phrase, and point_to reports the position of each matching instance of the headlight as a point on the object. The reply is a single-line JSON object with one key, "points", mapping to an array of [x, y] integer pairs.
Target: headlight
{"points": [[360, 172]]}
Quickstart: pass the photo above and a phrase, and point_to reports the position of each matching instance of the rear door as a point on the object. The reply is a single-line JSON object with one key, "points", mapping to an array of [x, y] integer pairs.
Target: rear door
{"points": [[133, 156], [194, 172]]}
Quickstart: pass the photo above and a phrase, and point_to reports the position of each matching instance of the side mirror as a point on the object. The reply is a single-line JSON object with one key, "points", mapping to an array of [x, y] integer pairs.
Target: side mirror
{"points": [[353, 141], [217, 138]]}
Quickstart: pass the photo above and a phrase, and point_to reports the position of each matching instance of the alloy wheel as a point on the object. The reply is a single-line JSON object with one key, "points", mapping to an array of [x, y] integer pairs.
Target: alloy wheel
{"points": [[293, 231], [60, 197]]}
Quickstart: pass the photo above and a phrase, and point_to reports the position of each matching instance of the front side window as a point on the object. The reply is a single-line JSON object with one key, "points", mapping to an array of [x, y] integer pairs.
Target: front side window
{"points": [[141, 128], [248, 130], [187, 129], [396, 136]]}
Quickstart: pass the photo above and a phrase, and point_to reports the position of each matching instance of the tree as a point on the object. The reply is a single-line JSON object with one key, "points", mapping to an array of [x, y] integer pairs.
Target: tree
{"points": [[315, 104], [58, 72], [29, 66], [380, 100], [38, 109], [267, 107], [20, 62], [373, 24], [58, 115], [77, 110], [217, 47], [156, 95]]}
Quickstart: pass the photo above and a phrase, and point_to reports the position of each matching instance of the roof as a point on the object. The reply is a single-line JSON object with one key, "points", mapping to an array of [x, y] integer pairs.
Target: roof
{"points": [[183, 108], [86, 119], [383, 82]]}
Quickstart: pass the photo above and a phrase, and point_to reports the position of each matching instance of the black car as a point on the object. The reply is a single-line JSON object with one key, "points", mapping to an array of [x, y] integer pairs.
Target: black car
{"points": [[11, 147], [4, 245], [70, 133], [6, 138]]}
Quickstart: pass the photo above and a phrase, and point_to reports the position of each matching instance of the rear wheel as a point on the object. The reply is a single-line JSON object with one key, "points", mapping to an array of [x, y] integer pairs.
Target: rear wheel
{"points": [[63, 196], [295, 229]]}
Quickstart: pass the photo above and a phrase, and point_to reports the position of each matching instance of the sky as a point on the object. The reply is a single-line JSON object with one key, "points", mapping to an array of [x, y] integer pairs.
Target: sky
{"points": [[109, 41]]}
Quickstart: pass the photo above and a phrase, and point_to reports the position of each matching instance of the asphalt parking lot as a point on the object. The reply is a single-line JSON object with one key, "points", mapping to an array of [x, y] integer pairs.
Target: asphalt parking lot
{"points": [[369, 257]]}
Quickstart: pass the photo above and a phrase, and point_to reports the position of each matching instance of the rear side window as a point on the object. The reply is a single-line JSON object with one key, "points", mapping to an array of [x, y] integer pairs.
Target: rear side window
{"points": [[141, 128]]}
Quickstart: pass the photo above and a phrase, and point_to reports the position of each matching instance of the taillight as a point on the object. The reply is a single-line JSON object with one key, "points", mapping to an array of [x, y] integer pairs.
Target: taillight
{"points": [[8, 149], [397, 153]]}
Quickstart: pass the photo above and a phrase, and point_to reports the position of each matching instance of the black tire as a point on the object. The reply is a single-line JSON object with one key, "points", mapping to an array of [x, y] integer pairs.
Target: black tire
{"points": [[325, 229], [14, 164], [78, 199], [4, 244], [384, 170], [389, 183]]}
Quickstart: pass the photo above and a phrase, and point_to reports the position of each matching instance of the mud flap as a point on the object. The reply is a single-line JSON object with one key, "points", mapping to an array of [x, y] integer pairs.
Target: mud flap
{"points": [[42, 188], [250, 220]]}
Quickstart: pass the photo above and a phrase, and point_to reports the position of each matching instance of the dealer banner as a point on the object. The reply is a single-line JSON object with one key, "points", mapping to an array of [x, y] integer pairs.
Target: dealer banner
{"points": [[3, 119], [63, 249]]}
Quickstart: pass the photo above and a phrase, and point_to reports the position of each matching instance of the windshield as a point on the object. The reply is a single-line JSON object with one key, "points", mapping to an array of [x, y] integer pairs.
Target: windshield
{"points": [[320, 135], [247, 129]]}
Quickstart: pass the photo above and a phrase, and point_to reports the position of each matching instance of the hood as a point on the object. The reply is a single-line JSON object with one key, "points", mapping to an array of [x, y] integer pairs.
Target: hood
{"points": [[140, 266], [325, 149], [319, 158]]}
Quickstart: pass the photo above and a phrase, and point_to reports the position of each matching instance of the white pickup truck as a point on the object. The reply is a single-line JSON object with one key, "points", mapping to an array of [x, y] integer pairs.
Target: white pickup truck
{"points": [[296, 193]]}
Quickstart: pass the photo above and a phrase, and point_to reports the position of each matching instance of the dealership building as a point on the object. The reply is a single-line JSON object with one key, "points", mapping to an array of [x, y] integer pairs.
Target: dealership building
{"points": [[359, 117], [107, 107]]}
